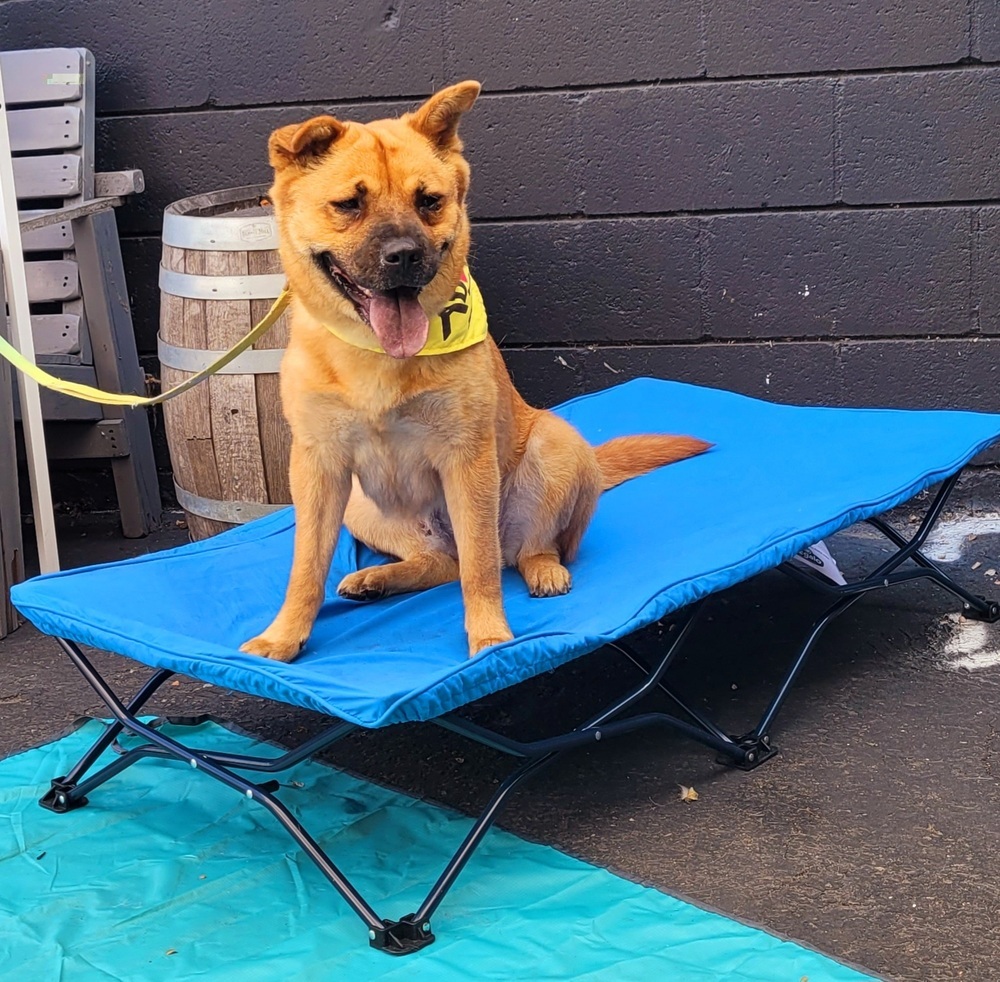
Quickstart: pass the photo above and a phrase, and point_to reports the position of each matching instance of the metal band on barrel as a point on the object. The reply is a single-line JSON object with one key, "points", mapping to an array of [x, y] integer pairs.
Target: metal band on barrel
{"points": [[233, 512], [195, 287], [220, 233], [264, 361]]}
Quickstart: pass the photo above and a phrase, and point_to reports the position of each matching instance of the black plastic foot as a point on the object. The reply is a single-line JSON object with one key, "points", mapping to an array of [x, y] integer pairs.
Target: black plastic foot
{"points": [[756, 750], [402, 937], [59, 797], [990, 614]]}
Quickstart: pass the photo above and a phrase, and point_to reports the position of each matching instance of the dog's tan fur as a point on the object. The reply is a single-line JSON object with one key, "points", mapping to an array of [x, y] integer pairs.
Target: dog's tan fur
{"points": [[435, 460]]}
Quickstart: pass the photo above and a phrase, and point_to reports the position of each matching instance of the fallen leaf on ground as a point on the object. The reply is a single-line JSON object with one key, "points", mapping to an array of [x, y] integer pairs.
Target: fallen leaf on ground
{"points": [[688, 794]]}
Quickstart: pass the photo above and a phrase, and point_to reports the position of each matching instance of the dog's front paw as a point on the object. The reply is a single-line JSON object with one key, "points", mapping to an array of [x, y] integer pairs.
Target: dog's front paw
{"points": [[274, 647], [478, 644]]}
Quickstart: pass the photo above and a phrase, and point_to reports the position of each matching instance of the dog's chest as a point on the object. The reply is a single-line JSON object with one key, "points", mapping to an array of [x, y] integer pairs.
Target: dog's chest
{"points": [[392, 459]]}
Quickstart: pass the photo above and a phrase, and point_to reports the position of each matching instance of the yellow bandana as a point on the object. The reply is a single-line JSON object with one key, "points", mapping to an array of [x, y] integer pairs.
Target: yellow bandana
{"points": [[460, 325]]}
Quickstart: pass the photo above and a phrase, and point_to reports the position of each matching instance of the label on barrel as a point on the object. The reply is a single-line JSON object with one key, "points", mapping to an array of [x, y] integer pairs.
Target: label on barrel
{"points": [[255, 231]]}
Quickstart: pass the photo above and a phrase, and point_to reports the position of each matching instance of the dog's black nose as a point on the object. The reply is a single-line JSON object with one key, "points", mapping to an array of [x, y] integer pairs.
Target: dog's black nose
{"points": [[401, 255]]}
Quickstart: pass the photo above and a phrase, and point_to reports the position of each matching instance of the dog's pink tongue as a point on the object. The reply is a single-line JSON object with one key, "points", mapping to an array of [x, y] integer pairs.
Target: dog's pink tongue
{"points": [[399, 322]]}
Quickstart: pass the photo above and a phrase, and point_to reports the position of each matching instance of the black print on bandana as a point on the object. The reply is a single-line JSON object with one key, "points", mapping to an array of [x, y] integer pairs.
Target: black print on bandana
{"points": [[457, 305]]}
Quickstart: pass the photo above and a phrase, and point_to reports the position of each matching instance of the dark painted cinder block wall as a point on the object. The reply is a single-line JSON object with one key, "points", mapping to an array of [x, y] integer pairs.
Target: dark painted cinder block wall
{"points": [[797, 200]]}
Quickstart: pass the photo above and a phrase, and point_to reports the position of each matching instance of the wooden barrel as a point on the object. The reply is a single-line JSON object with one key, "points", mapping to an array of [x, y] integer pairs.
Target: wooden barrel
{"points": [[228, 440]]}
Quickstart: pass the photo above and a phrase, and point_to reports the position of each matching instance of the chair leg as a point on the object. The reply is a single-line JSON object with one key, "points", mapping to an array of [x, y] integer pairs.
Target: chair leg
{"points": [[116, 361], [11, 548]]}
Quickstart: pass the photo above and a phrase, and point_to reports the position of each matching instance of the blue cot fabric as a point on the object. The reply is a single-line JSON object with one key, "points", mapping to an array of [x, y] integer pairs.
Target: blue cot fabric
{"points": [[779, 478]]}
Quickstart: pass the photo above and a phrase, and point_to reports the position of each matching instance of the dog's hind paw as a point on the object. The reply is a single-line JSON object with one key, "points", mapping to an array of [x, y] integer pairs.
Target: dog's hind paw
{"points": [[550, 580], [365, 584]]}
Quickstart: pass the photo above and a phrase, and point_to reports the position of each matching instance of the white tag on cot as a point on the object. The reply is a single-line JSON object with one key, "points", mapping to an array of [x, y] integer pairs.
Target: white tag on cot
{"points": [[818, 559]]}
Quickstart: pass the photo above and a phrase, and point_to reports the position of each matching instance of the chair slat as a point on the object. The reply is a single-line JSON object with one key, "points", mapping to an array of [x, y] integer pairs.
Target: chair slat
{"points": [[52, 238], [46, 75], [53, 176], [56, 406], [56, 334], [48, 128], [52, 280]]}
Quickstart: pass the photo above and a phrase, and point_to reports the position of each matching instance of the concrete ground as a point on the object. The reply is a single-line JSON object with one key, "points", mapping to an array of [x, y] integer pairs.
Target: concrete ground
{"points": [[871, 836]]}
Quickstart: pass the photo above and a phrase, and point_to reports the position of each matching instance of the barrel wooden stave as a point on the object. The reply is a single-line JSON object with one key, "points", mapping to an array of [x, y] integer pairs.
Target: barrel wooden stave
{"points": [[275, 435]]}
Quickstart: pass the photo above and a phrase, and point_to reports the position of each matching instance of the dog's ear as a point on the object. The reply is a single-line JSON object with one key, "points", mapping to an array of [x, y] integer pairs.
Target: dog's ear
{"points": [[303, 143], [439, 116]]}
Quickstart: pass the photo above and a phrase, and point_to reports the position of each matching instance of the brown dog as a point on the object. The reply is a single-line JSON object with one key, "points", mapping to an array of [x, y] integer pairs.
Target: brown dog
{"points": [[452, 472]]}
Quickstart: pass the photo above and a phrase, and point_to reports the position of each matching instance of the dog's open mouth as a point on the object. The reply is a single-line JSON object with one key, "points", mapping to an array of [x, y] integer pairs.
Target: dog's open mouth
{"points": [[395, 316]]}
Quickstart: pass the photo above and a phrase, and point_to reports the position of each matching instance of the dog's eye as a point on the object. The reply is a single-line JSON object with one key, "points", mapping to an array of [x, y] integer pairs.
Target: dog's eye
{"points": [[428, 202], [349, 206]]}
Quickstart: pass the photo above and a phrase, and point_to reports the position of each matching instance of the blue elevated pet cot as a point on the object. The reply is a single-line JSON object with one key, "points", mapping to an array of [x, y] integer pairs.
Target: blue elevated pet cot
{"points": [[779, 479]]}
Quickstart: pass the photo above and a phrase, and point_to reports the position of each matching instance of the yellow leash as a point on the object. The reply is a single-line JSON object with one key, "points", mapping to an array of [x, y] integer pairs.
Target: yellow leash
{"points": [[90, 394]]}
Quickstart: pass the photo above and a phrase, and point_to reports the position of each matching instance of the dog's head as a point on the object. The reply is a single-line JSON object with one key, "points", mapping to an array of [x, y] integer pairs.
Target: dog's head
{"points": [[372, 217]]}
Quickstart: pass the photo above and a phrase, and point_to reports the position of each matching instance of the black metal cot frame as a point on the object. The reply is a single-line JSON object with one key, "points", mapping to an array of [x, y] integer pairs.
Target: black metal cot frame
{"points": [[413, 931]]}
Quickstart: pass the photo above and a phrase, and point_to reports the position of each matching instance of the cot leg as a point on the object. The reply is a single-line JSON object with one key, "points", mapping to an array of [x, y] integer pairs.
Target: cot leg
{"points": [[746, 752], [65, 794], [396, 938], [974, 607], [886, 575], [701, 720], [758, 741], [475, 836], [755, 747], [127, 758], [539, 754]]}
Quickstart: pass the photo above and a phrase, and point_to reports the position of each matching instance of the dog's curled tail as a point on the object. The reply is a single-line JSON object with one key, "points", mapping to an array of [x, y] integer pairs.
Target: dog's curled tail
{"points": [[626, 457]]}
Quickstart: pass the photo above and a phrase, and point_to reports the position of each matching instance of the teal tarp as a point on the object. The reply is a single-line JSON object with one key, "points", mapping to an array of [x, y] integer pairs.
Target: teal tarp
{"points": [[168, 875]]}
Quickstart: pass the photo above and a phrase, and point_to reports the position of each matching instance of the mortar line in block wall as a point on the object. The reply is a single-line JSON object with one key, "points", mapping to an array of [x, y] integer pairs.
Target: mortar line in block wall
{"points": [[975, 257], [838, 149], [974, 336], [404, 102], [832, 208], [745, 342], [839, 207], [704, 310], [703, 39]]}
